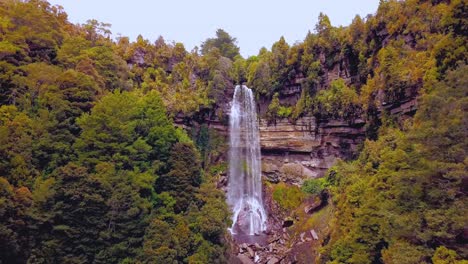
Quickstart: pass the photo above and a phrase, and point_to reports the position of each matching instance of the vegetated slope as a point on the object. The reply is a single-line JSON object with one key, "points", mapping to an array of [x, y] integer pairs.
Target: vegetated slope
{"points": [[404, 199], [93, 169]]}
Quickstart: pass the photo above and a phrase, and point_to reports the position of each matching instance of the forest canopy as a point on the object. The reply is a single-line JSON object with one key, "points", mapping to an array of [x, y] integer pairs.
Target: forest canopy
{"points": [[107, 156]]}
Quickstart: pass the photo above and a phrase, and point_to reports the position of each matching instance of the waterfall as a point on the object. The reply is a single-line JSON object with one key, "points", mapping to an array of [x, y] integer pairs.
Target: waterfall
{"points": [[245, 182]]}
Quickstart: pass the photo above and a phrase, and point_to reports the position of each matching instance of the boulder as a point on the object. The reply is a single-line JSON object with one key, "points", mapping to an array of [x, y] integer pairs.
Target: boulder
{"points": [[258, 247], [314, 234], [302, 237], [251, 252], [313, 205], [273, 260], [244, 259], [273, 239]]}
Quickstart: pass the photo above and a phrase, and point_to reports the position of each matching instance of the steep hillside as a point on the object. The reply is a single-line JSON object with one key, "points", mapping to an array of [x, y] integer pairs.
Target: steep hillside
{"points": [[113, 151]]}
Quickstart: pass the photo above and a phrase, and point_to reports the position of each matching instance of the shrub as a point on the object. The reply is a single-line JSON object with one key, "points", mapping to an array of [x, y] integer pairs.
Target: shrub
{"points": [[314, 186], [287, 196]]}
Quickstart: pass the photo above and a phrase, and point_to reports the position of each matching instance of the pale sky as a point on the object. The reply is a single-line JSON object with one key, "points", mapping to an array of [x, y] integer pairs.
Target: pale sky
{"points": [[255, 23]]}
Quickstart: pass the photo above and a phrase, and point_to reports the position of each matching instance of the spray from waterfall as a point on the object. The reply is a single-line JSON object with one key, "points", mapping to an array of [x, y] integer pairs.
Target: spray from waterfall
{"points": [[245, 183]]}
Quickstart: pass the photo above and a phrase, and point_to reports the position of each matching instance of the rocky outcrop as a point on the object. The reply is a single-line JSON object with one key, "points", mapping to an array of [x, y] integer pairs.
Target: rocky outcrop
{"points": [[281, 247], [307, 148], [286, 137]]}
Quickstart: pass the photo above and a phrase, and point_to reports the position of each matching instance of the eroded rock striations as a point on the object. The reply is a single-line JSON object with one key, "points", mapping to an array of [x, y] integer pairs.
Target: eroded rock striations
{"points": [[307, 148]]}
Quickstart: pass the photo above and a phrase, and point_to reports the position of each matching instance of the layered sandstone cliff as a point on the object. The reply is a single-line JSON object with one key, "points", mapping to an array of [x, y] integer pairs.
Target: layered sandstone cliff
{"points": [[307, 148]]}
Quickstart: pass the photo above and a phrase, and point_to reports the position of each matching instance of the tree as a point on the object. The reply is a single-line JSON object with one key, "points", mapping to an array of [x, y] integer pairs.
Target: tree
{"points": [[278, 64], [71, 217], [259, 77], [96, 30], [129, 207], [273, 109], [223, 42], [314, 186], [17, 133], [127, 129], [15, 240], [323, 25], [239, 70], [159, 244], [339, 101], [32, 31], [405, 189], [184, 175]]}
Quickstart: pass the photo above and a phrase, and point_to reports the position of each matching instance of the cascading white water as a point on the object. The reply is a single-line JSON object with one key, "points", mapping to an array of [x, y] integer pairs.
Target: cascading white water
{"points": [[245, 183]]}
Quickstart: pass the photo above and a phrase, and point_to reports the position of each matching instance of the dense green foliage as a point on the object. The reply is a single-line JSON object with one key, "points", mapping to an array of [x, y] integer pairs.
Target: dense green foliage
{"points": [[287, 197], [403, 200], [314, 186], [225, 44], [93, 169], [383, 59], [276, 110]]}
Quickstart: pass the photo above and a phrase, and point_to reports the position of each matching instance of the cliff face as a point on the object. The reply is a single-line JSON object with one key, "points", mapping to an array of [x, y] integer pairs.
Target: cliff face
{"points": [[292, 152], [306, 149]]}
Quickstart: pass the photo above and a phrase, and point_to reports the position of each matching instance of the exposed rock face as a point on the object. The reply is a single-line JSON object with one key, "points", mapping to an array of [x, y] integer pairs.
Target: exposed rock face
{"points": [[284, 136], [306, 149]]}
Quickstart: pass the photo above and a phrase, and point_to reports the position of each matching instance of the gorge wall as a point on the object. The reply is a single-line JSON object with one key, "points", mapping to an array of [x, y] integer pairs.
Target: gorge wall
{"points": [[294, 150]]}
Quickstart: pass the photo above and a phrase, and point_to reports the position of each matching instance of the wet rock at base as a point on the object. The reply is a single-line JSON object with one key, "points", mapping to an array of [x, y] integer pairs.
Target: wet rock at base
{"points": [[251, 252], [273, 239]]}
